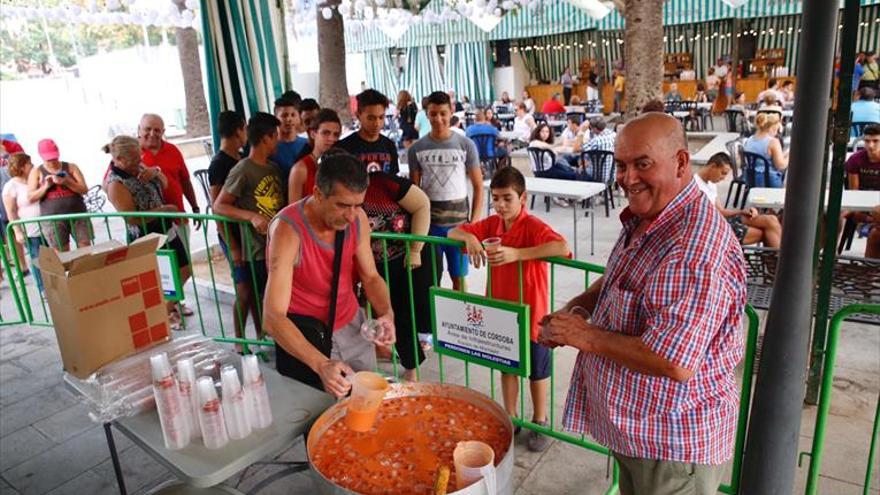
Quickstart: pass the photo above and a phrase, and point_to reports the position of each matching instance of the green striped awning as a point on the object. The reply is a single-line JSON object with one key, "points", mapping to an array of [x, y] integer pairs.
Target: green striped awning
{"points": [[559, 16], [468, 70], [381, 73], [423, 73], [244, 55]]}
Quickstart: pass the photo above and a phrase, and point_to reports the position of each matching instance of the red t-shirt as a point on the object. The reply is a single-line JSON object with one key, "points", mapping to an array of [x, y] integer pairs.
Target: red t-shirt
{"points": [[552, 106], [527, 231], [170, 161], [868, 171]]}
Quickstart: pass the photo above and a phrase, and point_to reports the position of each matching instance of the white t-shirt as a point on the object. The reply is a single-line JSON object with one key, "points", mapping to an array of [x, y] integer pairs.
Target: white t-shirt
{"points": [[18, 190], [568, 135], [721, 70], [710, 189], [457, 130], [521, 128]]}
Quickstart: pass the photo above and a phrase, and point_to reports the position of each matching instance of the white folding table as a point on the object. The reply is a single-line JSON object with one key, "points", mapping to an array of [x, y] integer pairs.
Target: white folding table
{"points": [[774, 198], [295, 406]]}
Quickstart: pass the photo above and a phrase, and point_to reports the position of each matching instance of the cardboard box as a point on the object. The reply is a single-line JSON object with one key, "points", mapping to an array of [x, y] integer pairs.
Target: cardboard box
{"points": [[106, 301]]}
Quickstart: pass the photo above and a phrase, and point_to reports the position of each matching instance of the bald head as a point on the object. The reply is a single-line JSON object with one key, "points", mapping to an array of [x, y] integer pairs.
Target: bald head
{"points": [[652, 161], [151, 130], [663, 129]]}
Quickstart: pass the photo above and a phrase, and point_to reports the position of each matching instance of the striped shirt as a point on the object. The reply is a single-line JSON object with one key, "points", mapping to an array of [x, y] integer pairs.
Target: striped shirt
{"points": [[680, 287]]}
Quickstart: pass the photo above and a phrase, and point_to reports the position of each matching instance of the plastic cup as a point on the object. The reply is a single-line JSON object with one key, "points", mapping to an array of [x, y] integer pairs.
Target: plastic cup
{"points": [[367, 391], [371, 330], [473, 461], [491, 244], [580, 311]]}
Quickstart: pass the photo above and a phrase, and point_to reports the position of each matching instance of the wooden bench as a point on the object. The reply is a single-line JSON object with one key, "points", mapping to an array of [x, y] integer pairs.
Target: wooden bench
{"points": [[855, 280]]}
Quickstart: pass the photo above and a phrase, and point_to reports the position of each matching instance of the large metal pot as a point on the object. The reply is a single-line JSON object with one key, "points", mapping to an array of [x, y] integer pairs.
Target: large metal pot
{"points": [[504, 470]]}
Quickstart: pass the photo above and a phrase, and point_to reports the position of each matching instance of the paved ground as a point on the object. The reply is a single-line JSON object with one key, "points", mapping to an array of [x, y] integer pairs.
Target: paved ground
{"points": [[48, 444]]}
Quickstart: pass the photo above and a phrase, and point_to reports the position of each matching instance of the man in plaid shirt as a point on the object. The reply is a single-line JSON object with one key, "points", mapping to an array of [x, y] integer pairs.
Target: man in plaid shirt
{"points": [[654, 380]]}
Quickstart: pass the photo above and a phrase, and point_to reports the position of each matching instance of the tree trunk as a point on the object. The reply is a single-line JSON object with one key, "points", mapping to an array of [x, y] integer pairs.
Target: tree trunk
{"points": [[197, 119], [643, 53], [332, 86]]}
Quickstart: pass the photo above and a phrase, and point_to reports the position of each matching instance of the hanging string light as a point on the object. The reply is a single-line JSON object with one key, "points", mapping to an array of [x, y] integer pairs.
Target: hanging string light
{"points": [[136, 12]]}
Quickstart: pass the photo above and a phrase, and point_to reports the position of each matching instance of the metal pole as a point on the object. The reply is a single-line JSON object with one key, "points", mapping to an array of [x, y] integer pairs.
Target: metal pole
{"points": [[840, 136], [774, 428]]}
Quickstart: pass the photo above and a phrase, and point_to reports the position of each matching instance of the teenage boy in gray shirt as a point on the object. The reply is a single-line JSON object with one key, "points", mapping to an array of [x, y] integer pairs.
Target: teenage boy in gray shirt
{"points": [[442, 163]]}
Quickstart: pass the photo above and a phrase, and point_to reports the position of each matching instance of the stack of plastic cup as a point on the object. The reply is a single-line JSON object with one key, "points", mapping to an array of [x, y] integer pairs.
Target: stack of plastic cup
{"points": [[186, 381], [173, 411], [371, 330], [211, 418], [234, 405], [255, 391]]}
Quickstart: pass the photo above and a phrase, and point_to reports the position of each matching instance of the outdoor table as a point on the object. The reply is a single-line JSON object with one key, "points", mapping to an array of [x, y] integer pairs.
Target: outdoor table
{"points": [[774, 198], [509, 136], [705, 105], [295, 406], [557, 125], [576, 190], [786, 114]]}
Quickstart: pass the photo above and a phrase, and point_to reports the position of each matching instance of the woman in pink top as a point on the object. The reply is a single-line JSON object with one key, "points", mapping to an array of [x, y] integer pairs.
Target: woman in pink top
{"points": [[20, 207]]}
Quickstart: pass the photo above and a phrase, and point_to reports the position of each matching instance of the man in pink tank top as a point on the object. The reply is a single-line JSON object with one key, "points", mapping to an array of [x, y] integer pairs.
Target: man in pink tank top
{"points": [[300, 264]]}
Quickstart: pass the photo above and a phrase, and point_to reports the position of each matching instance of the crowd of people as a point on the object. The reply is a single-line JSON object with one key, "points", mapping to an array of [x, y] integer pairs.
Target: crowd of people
{"points": [[307, 198]]}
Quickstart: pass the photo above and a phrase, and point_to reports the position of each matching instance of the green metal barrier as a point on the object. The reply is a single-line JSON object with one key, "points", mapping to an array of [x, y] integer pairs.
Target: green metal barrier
{"points": [[113, 226], [824, 405], [13, 286]]}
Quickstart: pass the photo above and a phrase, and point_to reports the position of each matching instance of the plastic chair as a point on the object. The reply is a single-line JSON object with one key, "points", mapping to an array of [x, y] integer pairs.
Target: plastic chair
{"points": [[737, 122], [486, 149], [858, 128], [537, 155], [202, 176], [603, 172], [95, 199], [750, 172]]}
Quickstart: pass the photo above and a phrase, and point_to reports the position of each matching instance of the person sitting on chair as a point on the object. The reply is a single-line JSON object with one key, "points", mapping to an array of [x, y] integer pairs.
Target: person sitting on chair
{"points": [[748, 226]]}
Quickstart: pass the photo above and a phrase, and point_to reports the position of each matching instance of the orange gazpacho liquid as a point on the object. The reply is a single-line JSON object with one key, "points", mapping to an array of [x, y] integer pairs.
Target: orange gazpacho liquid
{"points": [[411, 439]]}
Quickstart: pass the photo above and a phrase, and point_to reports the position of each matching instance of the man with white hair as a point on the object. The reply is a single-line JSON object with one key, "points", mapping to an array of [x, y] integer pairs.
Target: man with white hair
{"points": [[157, 152]]}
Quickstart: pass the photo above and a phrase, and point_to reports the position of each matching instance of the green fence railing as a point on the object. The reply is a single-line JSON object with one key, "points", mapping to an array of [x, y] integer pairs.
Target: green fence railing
{"points": [[104, 227], [209, 315], [824, 405], [6, 320]]}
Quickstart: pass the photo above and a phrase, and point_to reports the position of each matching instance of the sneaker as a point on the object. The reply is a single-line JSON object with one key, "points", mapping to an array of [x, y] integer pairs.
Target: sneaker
{"points": [[560, 202], [425, 340], [537, 442], [175, 322], [185, 310]]}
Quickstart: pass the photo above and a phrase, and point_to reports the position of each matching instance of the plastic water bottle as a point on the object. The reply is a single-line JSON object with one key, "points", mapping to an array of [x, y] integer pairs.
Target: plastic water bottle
{"points": [[211, 420], [234, 405], [186, 381], [260, 413], [173, 415]]}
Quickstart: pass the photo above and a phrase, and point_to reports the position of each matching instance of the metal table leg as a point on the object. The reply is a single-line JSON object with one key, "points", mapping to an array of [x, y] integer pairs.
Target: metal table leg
{"points": [[574, 222], [114, 456], [592, 228]]}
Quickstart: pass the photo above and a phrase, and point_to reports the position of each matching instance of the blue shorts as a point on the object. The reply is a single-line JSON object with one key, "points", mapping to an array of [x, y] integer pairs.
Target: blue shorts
{"points": [[540, 357], [455, 258], [241, 274]]}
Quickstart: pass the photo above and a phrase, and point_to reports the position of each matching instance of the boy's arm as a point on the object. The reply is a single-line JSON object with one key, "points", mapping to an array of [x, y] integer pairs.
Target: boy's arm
{"points": [[506, 254], [472, 245]]}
